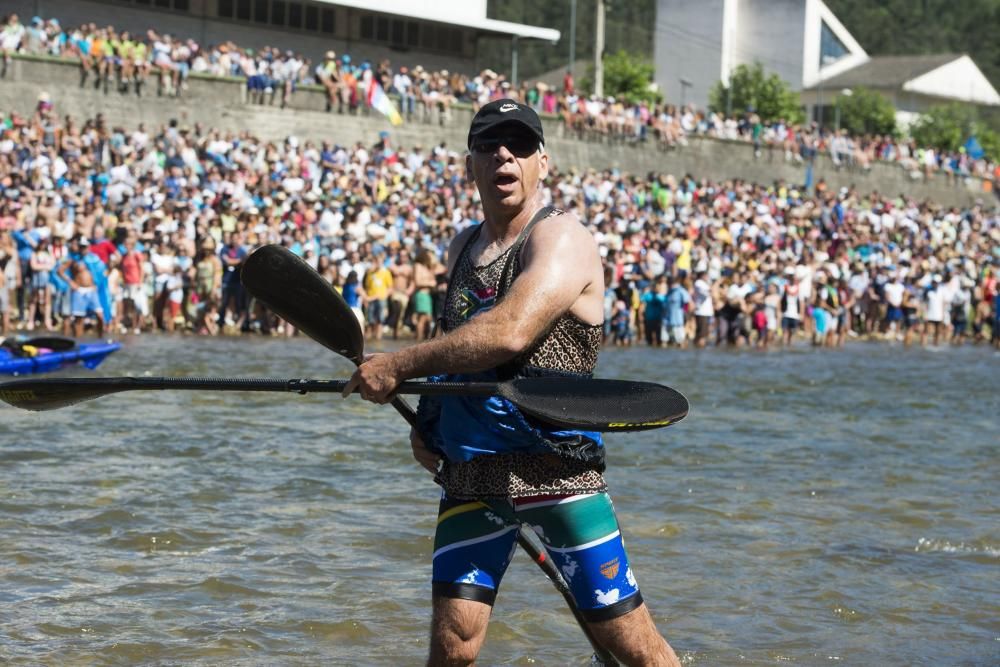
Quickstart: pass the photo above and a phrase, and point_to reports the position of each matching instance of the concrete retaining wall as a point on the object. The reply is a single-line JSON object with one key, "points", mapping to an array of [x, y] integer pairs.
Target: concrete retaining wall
{"points": [[220, 102]]}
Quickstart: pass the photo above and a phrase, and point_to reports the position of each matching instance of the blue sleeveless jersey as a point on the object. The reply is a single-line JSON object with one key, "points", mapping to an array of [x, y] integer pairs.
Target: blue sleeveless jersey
{"points": [[464, 427]]}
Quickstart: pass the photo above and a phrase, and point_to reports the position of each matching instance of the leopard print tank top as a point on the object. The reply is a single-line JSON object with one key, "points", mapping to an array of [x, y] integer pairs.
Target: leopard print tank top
{"points": [[571, 345]]}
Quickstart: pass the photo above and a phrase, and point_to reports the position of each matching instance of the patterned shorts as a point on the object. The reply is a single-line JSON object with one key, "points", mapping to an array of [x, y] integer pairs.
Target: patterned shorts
{"points": [[475, 542]]}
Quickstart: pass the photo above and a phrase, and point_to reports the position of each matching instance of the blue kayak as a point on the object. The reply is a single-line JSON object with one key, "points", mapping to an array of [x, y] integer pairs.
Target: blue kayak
{"points": [[88, 354]]}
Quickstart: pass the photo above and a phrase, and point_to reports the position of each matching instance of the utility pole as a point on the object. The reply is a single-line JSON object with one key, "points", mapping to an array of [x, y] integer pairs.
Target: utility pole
{"points": [[572, 38], [513, 61], [599, 50]]}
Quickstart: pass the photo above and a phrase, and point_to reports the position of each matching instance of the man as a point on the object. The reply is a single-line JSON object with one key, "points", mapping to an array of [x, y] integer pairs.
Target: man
{"points": [[378, 283], [677, 301], [135, 304], [652, 300], [525, 296], [934, 311], [403, 287], [84, 299], [232, 255], [402, 84], [894, 313], [10, 41], [704, 309]]}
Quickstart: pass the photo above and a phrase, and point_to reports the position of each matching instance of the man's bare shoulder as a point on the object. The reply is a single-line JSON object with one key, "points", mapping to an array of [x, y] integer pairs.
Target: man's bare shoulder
{"points": [[563, 230]]}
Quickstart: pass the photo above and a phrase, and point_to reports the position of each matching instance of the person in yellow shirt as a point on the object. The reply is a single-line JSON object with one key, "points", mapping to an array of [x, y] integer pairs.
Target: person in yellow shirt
{"points": [[683, 263], [378, 283]]}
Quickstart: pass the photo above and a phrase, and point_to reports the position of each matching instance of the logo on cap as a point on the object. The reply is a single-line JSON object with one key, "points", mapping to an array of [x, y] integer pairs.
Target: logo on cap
{"points": [[504, 108]]}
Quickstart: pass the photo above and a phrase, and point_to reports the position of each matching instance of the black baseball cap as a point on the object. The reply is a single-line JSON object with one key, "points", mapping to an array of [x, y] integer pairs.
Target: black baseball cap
{"points": [[502, 112]]}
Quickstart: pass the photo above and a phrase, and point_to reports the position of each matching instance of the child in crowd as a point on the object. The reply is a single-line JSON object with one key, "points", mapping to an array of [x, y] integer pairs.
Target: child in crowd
{"points": [[620, 324]]}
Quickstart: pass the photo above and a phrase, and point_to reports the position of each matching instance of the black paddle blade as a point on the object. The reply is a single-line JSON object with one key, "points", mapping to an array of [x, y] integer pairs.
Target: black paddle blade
{"points": [[292, 289], [597, 404], [38, 395]]}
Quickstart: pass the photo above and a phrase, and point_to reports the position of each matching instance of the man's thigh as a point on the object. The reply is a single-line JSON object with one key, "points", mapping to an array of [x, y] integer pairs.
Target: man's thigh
{"points": [[473, 545], [581, 534]]}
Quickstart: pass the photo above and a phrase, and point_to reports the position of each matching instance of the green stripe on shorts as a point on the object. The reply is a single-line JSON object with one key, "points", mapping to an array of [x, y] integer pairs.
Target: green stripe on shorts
{"points": [[571, 524]]}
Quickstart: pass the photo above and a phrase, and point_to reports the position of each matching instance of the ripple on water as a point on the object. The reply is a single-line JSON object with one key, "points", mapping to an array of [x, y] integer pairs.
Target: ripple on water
{"points": [[23, 455], [976, 549], [228, 588], [167, 540], [347, 629]]}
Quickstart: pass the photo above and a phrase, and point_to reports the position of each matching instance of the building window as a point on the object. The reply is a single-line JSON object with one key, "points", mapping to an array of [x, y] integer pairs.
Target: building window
{"points": [[327, 24], [368, 27], [831, 49], [278, 12], [295, 15], [427, 36], [382, 29], [243, 10], [225, 9], [412, 33], [312, 17], [397, 31], [260, 11]]}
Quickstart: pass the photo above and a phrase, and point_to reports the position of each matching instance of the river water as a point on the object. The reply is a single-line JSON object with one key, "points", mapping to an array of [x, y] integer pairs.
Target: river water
{"points": [[815, 508]]}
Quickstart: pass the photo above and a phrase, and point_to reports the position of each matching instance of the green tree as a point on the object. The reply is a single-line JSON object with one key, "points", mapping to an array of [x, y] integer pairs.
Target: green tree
{"points": [[945, 127], [626, 76], [948, 127], [866, 112], [990, 141], [768, 95]]}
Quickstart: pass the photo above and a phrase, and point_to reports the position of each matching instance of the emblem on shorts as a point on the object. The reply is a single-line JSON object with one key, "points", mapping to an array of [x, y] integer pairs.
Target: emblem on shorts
{"points": [[504, 108], [610, 569]]}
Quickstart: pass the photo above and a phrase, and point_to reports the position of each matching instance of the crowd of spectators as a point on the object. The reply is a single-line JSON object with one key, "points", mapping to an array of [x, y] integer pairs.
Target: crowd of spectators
{"points": [[139, 229], [111, 58]]}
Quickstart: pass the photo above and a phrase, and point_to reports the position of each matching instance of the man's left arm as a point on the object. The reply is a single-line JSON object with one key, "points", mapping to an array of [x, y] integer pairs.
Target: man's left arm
{"points": [[560, 261]]}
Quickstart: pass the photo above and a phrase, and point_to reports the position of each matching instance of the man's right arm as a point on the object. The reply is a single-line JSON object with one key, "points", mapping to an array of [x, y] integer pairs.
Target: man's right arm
{"points": [[62, 272]]}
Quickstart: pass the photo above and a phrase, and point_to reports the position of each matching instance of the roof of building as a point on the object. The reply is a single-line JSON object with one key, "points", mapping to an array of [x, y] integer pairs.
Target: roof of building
{"points": [[463, 13], [888, 71]]}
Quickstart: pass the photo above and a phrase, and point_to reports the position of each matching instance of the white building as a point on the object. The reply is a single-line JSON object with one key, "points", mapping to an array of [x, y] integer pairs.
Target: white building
{"points": [[912, 83], [699, 42], [433, 33]]}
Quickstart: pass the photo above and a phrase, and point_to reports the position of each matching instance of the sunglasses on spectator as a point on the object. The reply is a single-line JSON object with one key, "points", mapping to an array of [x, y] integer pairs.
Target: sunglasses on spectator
{"points": [[520, 145]]}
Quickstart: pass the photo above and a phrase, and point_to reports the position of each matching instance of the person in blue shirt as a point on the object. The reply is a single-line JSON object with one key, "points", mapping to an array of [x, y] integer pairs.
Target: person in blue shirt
{"points": [[354, 296], [677, 300], [652, 299], [232, 255]]}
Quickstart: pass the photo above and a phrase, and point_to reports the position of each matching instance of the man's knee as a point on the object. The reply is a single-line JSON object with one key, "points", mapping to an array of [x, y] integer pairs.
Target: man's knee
{"points": [[457, 631], [452, 648]]}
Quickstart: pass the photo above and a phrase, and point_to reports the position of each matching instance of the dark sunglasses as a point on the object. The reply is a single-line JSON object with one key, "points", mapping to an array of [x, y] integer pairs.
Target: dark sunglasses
{"points": [[521, 145]]}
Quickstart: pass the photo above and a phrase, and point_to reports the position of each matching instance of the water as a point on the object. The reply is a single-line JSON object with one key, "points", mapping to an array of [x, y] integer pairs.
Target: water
{"points": [[832, 507]]}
